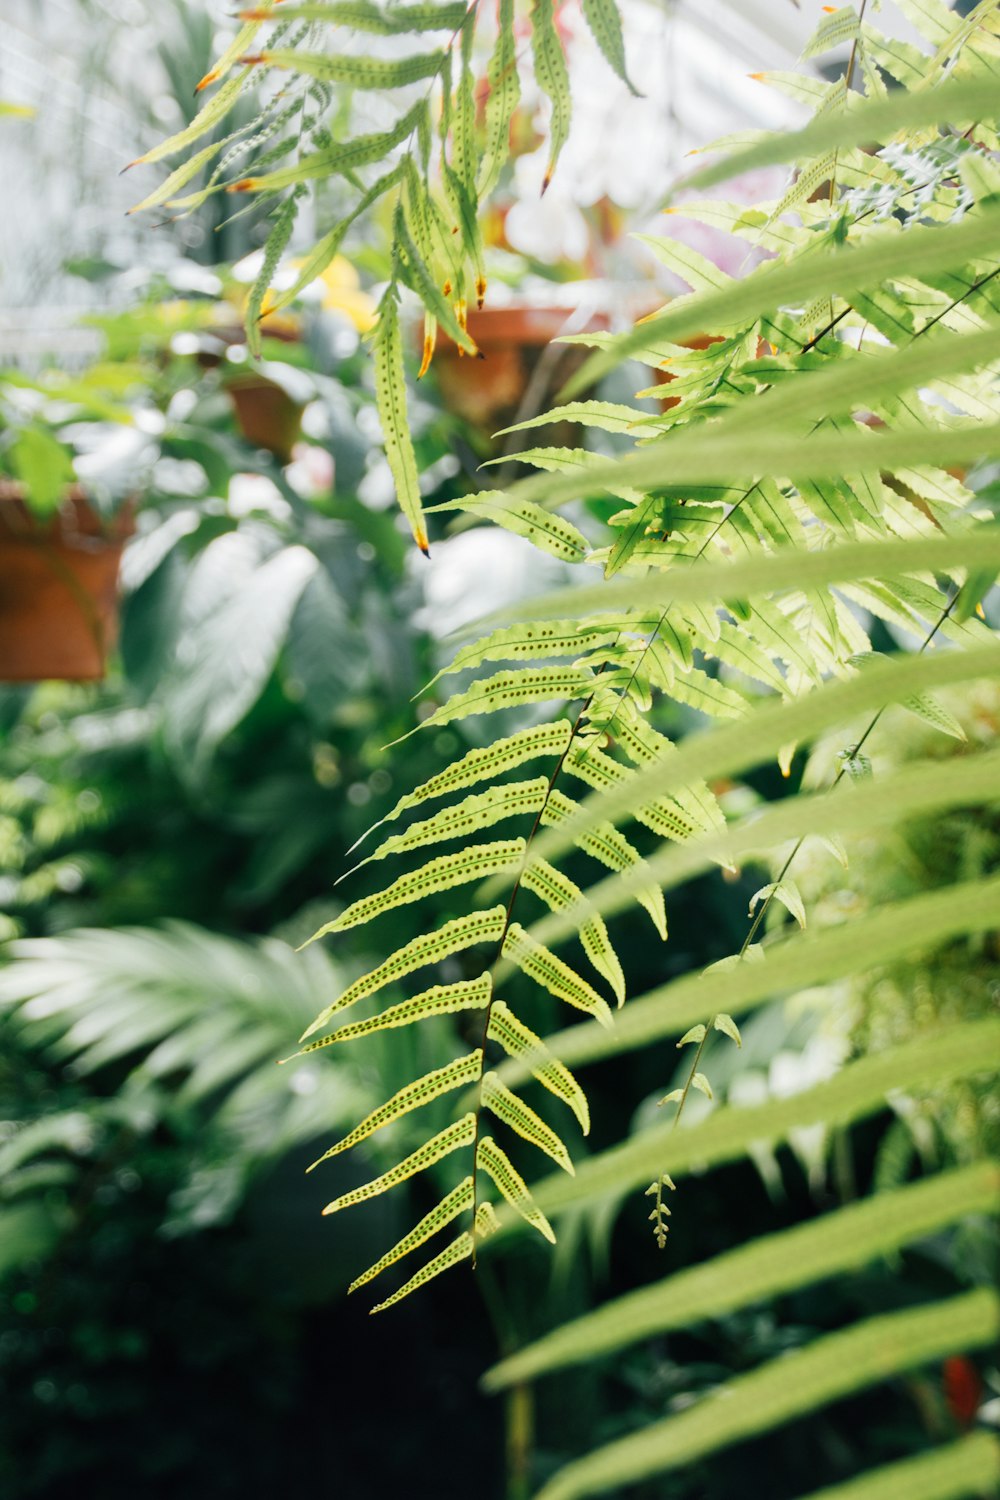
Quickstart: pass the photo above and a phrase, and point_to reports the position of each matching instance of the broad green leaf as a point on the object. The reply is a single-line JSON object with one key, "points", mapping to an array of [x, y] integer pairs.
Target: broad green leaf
{"points": [[771, 1266], [43, 466], [794, 1383], [422, 1091], [439, 1000], [962, 1051], [506, 1106], [969, 1466], [519, 1040], [390, 395], [533, 959], [511, 1185], [458, 1201], [452, 1138], [459, 1250], [441, 874], [427, 948], [862, 123]]}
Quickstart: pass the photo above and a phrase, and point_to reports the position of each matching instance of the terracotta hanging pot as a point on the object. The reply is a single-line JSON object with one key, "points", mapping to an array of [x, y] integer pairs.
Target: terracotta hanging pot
{"points": [[58, 588], [268, 416], [488, 393]]}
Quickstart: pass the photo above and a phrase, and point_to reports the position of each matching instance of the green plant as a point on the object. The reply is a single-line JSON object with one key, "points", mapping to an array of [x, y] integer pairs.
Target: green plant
{"points": [[431, 174], [771, 546]]}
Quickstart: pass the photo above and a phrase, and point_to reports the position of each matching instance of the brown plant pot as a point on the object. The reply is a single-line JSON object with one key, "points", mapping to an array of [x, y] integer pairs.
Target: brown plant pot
{"points": [[267, 415], [58, 589], [487, 392]]}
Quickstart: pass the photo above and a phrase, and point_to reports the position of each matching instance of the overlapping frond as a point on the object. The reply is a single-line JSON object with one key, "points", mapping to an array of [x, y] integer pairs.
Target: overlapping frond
{"points": [[798, 490], [435, 161]]}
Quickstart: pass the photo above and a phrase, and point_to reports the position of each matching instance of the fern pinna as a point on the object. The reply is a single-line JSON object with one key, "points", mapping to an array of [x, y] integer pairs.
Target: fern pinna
{"points": [[791, 491]]}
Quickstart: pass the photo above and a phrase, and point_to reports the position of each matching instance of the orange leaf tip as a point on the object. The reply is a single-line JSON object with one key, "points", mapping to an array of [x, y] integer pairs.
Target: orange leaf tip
{"points": [[758, 77], [545, 183], [829, 10], [245, 185], [251, 59], [428, 355], [420, 537], [980, 612], [209, 77]]}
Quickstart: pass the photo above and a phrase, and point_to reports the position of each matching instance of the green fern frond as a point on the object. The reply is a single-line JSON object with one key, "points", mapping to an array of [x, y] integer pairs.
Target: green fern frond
{"points": [[512, 1111], [439, 1000], [518, 1040], [452, 1138], [431, 1086], [459, 1250], [428, 948], [512, 799], [441, 874], [561, 894], [458, 1201], [511, 1186], [533, 959]]}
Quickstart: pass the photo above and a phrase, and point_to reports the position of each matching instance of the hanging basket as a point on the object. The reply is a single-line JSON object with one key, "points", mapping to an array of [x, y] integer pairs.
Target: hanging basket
{"points": [[58, 588]]}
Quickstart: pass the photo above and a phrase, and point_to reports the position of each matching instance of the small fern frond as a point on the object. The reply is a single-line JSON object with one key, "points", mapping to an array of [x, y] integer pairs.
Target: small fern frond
{"points": [[487, 762], [513, 690], [512, 799]]}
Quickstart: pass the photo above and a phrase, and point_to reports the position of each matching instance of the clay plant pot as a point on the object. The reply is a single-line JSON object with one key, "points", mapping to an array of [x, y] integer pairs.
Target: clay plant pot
{"points": [[487, 393], [267, 414], [58, 589]]}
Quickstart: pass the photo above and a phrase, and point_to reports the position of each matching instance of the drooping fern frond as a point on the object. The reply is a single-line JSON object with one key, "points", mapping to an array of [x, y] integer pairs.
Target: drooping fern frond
{"points": [[327, 117], [790, 495]]}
